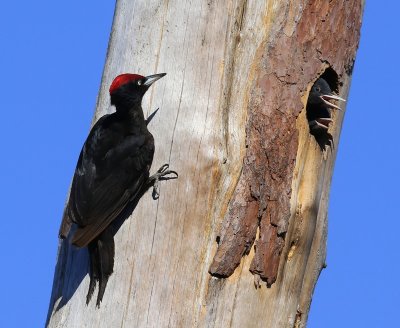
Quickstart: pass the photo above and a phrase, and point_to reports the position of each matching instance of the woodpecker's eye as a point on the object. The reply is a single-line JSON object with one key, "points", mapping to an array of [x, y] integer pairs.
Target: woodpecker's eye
{"points": [[139, 82], [318, 89]]}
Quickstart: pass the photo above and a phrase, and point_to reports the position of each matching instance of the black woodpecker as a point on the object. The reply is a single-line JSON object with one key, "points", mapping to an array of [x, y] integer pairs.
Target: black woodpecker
{"points": [[319, 109], [112, 172]]}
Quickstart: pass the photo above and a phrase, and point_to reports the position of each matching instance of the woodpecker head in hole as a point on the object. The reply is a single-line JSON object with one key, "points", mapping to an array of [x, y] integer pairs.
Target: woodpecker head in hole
{"points": [[127, 90], [319, 106]]}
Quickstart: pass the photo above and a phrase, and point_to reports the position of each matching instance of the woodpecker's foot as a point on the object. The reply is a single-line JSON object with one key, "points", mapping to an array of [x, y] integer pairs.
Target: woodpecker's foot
{"points": [[162, 174]]}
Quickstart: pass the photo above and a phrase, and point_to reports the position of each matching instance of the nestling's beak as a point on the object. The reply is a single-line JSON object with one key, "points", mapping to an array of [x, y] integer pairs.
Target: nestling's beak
{"points": [[149, 80], [323, 121], [325, 99]]}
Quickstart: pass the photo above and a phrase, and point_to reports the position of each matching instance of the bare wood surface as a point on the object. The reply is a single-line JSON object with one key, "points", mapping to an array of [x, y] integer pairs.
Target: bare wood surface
{"points": [[232, 123]]}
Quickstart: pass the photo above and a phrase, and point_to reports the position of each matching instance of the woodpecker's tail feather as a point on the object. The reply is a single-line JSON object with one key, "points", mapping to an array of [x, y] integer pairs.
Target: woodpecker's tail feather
{"points": [[101, 254]]}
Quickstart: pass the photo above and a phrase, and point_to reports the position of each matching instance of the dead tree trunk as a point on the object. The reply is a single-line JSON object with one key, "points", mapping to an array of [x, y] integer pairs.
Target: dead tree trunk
{"points": [[232, 123]]}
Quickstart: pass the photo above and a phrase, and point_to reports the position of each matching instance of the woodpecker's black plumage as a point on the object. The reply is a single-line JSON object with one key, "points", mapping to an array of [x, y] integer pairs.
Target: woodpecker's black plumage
{"points": [[112, 171], [318, 111]]}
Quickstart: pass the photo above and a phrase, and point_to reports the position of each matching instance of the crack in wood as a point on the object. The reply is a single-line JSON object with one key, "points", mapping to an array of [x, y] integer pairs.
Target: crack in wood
{"points": [[232, 41]]}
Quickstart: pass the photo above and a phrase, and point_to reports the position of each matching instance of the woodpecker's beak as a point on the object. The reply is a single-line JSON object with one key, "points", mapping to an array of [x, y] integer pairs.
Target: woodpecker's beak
{"points": [[322, 123], [149, 80], [325, 99]]}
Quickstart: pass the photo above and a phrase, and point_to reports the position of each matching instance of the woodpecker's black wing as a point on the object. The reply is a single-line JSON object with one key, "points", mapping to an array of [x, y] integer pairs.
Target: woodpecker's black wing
{"points": [[113, 166]]}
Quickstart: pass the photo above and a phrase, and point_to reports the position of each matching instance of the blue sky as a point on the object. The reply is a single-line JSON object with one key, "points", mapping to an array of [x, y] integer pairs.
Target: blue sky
{"points": [[51, 61]]}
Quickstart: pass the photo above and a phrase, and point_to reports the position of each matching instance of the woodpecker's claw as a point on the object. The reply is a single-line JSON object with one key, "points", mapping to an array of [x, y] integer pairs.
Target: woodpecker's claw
{"points": [[162, 174]]}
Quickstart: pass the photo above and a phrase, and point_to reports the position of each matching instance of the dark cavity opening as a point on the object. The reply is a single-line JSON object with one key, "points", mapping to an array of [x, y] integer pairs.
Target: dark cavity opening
{"points": [[332, 78], [318, 113]]}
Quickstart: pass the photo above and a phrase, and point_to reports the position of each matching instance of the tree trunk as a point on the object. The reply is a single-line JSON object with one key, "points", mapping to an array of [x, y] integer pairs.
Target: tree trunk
{"points": [[232, 123]]}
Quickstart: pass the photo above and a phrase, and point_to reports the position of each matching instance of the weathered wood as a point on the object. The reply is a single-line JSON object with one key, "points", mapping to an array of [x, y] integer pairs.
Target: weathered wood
{"points": [[232, 123]]}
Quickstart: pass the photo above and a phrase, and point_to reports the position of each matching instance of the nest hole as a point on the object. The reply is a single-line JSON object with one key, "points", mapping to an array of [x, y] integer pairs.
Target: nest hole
{"points": [[318, 115], [330, 76]]}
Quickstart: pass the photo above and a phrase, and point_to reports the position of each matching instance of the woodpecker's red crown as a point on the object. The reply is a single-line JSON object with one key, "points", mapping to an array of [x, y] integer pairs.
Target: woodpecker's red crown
{"points": [[123, 79]]}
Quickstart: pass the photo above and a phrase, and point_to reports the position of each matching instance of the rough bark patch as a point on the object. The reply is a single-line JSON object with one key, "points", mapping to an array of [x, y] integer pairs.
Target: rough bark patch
{"points": [[327, 33]]}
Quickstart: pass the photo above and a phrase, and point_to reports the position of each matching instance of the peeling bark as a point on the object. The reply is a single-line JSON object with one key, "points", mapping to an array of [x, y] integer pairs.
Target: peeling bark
{"points": [[326, 34]]}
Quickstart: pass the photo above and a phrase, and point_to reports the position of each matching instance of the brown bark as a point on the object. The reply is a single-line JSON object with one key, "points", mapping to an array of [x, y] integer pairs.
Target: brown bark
{"points": [[288, 64]]}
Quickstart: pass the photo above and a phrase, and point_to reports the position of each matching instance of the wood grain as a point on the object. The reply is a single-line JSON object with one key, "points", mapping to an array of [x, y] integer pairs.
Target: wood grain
{"points": [[232, 123]]}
